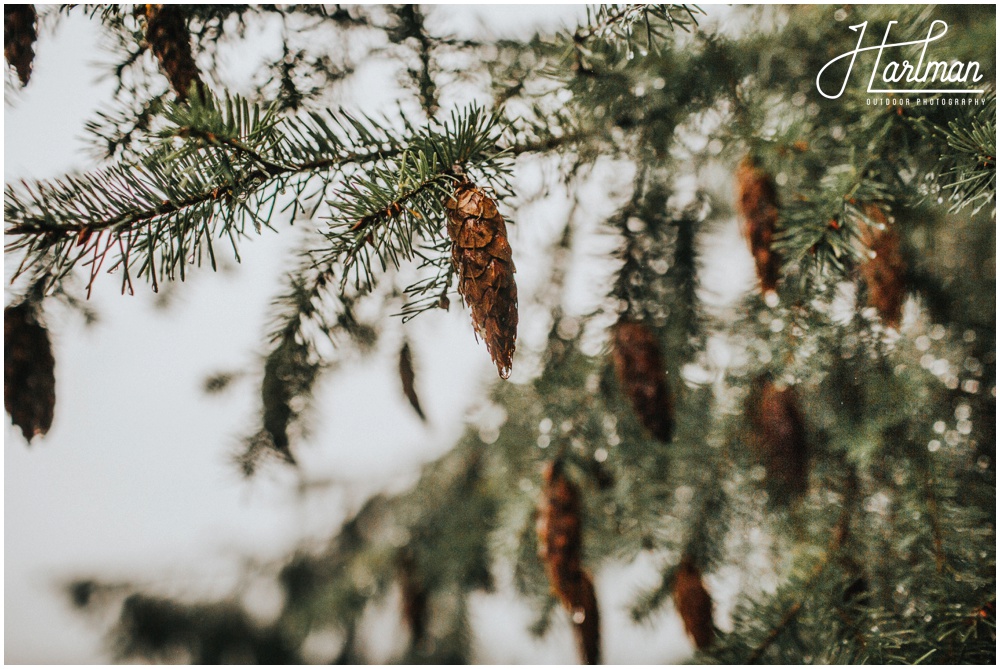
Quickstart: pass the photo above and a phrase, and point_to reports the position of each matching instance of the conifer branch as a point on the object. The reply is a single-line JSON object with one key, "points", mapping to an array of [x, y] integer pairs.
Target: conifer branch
{"points": [[818, 229], [839, 536], [305, 313], [395, 212], [616, 23], [969, 157], [411, 25], [220, 163]]}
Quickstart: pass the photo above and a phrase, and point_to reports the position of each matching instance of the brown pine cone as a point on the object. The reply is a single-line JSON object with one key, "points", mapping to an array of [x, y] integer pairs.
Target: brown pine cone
{"points": [[168, 38], [29, 382], [883, 273], [560, 548], [640, 370], [693, 603], [482, 258], [757, 201], [779, 436], [19, 36], [587, 622]]}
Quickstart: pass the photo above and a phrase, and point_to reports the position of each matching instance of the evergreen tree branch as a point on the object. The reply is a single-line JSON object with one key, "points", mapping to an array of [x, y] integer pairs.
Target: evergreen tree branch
{"points": [[411, 25], [793, 611], [968, 157], [617, 23], [386, 215], [213, 157]]}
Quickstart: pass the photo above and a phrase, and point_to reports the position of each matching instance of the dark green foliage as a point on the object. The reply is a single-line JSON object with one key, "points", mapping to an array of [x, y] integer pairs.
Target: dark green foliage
{"points": [[163, 630], [879, 546]]}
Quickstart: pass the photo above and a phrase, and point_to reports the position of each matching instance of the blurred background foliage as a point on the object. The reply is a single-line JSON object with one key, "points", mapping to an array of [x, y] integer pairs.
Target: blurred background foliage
{"points": [[841, 464]]}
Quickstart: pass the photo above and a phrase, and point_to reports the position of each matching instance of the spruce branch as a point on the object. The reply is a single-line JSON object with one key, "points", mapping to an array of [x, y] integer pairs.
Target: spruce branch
{"points": [[619, 29], [818, 229], [221, 163], [411, 25], [837, 541], [617, 23], [306, 314], [395, 213], [969, 166]]}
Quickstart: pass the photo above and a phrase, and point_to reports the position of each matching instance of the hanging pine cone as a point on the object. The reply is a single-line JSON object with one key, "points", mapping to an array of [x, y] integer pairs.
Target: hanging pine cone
{"points": [[640, 370], [168, 38], [757, 201], [415, 606], [19, 37], [482, 258], [884, 272], [587, 622], [406, 377], [693, 603], [779, 436], [560, 548], [29, 382]]}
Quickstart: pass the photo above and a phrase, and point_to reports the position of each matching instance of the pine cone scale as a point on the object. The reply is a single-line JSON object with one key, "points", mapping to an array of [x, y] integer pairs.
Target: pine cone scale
{"points": [[475, 234]]}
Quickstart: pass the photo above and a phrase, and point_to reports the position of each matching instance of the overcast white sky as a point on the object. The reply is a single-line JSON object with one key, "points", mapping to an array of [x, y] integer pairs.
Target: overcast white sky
{"points": [[135, 480]]}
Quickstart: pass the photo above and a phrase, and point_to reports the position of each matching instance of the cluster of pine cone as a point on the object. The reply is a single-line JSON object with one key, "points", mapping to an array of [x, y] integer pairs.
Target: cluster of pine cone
{"points": [[167, 37], [778, 435], [883, 271]]}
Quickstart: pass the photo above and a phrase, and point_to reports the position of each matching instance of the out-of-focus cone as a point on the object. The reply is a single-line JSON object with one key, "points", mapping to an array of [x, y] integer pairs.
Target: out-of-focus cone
{"points": [[757, 201], [29, 382], [885, 269], [779, 436], [169, 40], [641, 372], [415, 604], [19, 35], [693, 603], [560, 548]]}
